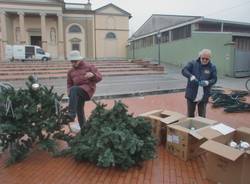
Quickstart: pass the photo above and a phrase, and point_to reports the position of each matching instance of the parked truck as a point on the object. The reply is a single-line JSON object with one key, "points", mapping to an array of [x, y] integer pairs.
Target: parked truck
{"points": [[25, 52]]}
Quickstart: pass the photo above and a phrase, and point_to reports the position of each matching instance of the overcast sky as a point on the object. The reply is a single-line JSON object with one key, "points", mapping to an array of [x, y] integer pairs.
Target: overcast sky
{"points": [[141, 10]]}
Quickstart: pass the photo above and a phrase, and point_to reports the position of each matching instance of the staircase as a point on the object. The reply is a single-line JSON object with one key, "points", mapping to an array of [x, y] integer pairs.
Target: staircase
{"points": [[53, 69]]}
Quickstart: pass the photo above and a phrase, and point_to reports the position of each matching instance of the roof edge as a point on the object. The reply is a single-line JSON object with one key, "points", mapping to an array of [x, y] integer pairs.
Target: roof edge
{"points": [[111, 4]]}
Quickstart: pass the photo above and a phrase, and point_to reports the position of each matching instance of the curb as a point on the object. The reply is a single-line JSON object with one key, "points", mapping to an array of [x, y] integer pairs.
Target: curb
{"points": [[129, 95]]}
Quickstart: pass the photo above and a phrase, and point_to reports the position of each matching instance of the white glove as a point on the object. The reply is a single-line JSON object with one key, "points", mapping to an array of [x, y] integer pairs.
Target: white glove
{"points": [[204, 83], [192, 78]]}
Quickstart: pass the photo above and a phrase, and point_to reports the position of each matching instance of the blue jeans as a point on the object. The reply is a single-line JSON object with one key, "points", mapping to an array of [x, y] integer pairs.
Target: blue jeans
{"points": [[77, 100]]}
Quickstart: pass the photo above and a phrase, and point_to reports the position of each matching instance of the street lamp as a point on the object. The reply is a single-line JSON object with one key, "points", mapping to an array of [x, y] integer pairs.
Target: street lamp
{"points": [[159, 47], [129, 49], [133, 46]]}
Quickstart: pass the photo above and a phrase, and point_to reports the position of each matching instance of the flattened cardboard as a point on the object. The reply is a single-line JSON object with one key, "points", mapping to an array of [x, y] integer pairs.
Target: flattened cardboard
{"points": [[222, 128], [222, 150], [173, 118], [208, 133]]}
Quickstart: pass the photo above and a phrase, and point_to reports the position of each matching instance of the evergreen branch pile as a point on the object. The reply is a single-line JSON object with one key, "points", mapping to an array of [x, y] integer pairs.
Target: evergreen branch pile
{"points": [[233, 102], [115, 138], [27, 117]]}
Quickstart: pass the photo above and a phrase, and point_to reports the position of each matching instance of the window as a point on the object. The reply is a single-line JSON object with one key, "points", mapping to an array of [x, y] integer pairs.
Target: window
{"points": [[75, 29], [145, 42], [165, 37], [39, 51], [76, 46], [181, 32], [75, 43], [110, 35]]}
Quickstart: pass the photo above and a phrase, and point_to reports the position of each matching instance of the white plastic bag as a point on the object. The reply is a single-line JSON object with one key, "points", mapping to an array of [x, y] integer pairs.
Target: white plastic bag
{"points": [[199, 95]]}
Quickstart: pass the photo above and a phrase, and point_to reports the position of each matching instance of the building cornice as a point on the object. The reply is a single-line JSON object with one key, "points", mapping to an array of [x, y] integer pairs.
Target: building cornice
{"points": [[58, 3], [31, 11], [113, 14], [226, 21]]}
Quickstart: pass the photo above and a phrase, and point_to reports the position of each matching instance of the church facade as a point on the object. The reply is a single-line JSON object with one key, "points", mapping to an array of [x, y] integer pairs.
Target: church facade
{"points": [[60, 27]]}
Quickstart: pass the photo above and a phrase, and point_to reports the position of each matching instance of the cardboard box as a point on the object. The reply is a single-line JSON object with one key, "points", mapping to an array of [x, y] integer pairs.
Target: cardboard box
{"points": [[225, 164], [184, 142], [159, 120]]}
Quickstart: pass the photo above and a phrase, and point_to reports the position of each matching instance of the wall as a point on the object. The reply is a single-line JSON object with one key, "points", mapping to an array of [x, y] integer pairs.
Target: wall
{"points": [[111, 48], [120, 22], [86, 23], [181, 51]]}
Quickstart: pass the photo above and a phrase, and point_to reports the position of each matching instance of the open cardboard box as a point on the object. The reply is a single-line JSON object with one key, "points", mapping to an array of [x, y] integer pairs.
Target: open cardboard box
{"points": [[184, 142], [225, 164], [159, 120]]}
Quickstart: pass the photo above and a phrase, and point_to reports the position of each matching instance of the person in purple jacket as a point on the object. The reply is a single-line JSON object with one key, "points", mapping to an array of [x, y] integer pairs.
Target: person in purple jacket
{"points": [[201, 75], [81, 86]]}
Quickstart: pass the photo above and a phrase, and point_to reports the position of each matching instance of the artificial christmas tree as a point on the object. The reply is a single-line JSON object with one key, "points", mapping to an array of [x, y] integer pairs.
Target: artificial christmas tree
{"points": [[29, 117], [114, 138], [33, 117]]}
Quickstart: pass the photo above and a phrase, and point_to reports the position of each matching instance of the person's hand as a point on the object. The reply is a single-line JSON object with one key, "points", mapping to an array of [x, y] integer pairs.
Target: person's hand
{"points": [[203, 83], [193, 79], [89, 75]]}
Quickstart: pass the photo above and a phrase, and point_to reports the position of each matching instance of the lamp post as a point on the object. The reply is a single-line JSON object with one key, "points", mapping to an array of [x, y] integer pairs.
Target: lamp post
{"points": [[133, 47], [129, 49], [159, 47]]}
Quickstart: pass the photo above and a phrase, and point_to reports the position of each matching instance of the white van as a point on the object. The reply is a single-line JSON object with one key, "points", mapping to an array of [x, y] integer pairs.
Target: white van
{"points": [[26, 52]]}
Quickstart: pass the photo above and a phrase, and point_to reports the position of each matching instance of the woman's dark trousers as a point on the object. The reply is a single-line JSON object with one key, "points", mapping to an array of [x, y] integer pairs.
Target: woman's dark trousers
{"points": [[191, 108], [77, 100]]}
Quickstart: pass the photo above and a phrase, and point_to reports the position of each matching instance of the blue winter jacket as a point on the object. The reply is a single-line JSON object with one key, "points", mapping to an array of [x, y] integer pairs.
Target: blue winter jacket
{"points": [[201, 72]]}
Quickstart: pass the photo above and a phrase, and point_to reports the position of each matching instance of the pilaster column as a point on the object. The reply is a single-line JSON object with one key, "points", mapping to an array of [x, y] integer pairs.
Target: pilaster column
{"points": [[4, 34], [22, 28], [43, 29], [60, 37]]}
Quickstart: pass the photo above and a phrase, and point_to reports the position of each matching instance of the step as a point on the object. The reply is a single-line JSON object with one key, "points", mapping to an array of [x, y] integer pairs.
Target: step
{"points": [[20, 71], [9, 73], [61, 64], [26, 68], [64, 75]]}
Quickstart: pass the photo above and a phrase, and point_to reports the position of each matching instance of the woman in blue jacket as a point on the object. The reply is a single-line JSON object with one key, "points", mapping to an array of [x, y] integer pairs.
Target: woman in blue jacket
{"points": [[201, 75]]}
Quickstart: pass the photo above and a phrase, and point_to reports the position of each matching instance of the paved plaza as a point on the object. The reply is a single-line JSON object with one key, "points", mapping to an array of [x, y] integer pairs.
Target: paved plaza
{"points": [[41, 168], [134, 91]]}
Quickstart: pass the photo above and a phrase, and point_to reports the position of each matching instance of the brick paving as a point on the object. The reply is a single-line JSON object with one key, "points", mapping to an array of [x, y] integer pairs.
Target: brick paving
{"points": [[41, 168]]}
